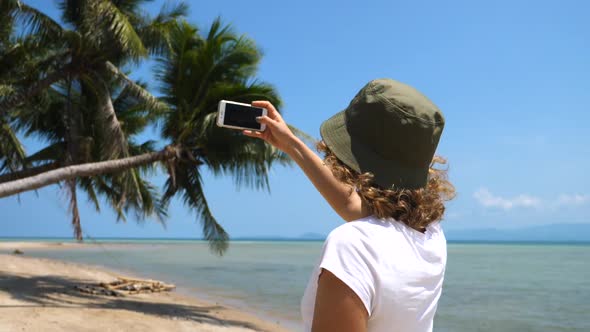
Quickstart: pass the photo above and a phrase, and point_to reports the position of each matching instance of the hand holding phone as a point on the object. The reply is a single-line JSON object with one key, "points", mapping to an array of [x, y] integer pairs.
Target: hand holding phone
{"points": [[240, 116], [277, 131]]}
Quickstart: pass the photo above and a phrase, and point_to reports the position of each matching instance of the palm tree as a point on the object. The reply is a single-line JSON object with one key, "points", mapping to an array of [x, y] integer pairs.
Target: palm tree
{"points": [[124, 191], [198, 71], [75, 69], [105, 36]]}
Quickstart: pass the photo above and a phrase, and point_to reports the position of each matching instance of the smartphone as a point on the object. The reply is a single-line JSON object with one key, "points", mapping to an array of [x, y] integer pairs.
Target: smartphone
{"points": [[239, 116]]}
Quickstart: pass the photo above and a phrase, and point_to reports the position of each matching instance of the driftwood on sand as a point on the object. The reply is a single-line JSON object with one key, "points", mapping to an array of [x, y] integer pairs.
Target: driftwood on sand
{"points": [[125, 286]]}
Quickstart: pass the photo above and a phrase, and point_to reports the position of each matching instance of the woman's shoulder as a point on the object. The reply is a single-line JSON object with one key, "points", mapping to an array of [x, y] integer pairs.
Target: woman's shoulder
{"points": [[371, 228], [358, 230], [369, 223]]}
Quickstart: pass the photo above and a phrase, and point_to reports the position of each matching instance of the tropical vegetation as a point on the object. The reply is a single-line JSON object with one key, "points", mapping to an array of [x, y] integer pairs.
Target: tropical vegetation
{"points": [[67, 84]]}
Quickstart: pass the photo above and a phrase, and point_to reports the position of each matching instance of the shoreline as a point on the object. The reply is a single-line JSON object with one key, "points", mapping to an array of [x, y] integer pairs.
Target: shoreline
{"points": [[37, 294]]}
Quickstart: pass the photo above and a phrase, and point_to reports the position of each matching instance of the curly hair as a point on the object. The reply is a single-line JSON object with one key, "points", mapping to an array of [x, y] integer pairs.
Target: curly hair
{"points": [[416, 208]]}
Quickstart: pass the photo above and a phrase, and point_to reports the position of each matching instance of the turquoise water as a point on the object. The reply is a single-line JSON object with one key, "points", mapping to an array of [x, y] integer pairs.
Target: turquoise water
{"points": [[488, 287]]}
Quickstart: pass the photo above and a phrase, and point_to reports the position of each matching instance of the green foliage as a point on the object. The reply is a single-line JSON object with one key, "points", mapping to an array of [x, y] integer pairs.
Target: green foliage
{"points": [[11, 149], [79, 112], [67, 85], [199, 71]]}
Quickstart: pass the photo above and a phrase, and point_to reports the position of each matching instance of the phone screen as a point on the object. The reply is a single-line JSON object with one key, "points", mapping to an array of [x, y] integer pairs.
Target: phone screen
{"points": [[242, 116]]}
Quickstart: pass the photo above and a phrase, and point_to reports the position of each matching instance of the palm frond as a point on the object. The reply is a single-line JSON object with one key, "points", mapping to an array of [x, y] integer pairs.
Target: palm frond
{"points": [[228, 152], [7, 8], [12, 152], [129, 7], [128, 192], [190, 188], [103, 16], [72, 11], [114, 142], [11, 57], [172, 11], [156, 33], [43, 117], [37, 23], [87, 185], [223, 58], [174, 70], [246, 160], [111, 194], [27, 92], [147, 202], [137, 90], [28, 59], [52, 152]]}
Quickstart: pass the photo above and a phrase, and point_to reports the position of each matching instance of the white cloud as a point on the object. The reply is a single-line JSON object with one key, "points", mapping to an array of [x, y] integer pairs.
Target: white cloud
{"points": [[575, 199], [487, 199]]}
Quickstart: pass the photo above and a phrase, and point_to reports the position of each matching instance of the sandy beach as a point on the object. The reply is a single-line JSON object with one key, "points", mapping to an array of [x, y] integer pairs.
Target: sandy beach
{"points": [[39, 295]]}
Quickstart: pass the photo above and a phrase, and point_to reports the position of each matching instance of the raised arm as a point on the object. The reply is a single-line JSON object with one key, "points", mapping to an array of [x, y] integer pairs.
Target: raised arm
{"points": [[339, 195]]}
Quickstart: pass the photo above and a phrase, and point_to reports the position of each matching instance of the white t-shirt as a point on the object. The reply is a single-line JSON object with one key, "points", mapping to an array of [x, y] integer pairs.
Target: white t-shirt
{"points": [[395, 270]]}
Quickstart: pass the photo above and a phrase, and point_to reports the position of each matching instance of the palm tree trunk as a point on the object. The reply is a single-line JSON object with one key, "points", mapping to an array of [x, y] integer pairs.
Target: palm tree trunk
{"points": [[33, 90], [116, 146], [83, 170], [27, 172], [72, 157], [71, 187]]}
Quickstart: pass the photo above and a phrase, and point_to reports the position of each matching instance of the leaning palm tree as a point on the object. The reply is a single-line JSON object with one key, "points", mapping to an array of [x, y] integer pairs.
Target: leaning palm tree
{"points": [[99, 38], [198, 71], [78, 61], [127, 191]]}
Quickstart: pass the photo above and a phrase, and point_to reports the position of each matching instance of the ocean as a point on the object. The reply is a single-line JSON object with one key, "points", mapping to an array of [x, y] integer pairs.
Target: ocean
{"points": [[488, 287]]}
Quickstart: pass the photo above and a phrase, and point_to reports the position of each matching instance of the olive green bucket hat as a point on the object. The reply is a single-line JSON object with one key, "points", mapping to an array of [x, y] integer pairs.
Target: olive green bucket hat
{"points": [[389, 129]]}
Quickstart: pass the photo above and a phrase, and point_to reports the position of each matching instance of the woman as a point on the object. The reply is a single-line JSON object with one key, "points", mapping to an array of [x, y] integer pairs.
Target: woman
{"points": [[383, 269]]}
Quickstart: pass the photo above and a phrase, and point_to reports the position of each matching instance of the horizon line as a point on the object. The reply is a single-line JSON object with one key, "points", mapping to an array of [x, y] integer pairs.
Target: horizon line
{"points": [[286, 239]]}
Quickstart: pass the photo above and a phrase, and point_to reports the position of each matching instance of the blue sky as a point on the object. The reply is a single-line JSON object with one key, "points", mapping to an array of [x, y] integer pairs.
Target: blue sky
{"points": [[510, 76]]}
